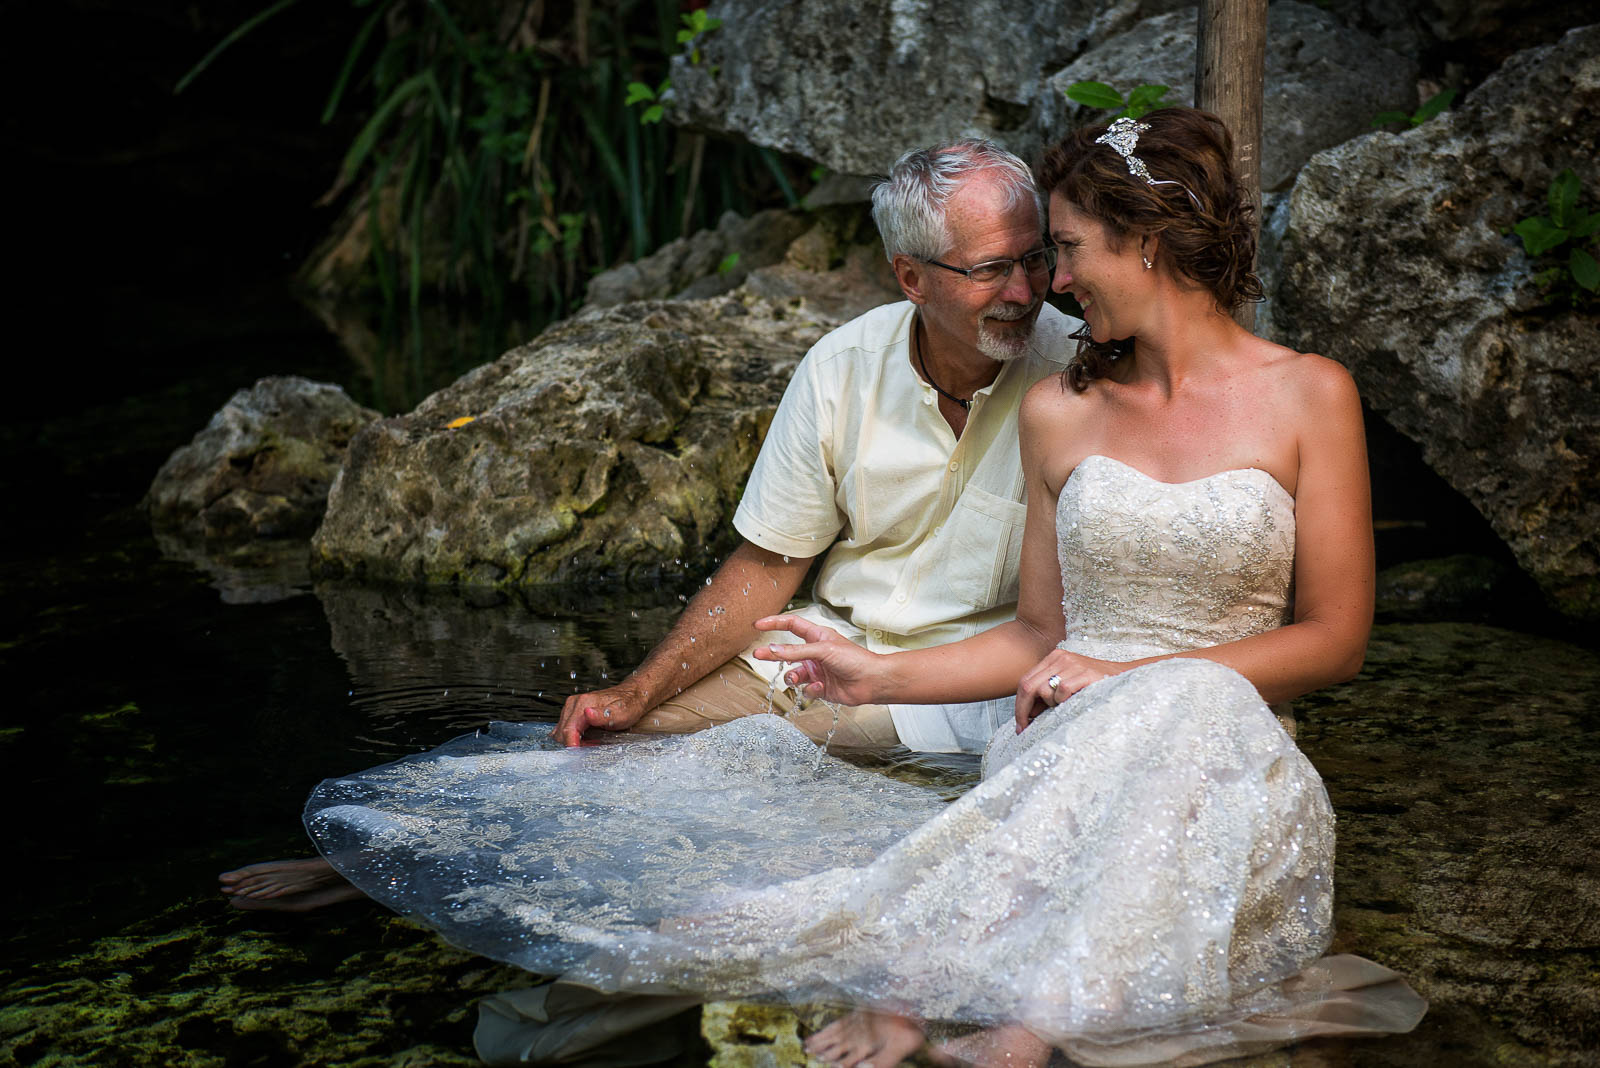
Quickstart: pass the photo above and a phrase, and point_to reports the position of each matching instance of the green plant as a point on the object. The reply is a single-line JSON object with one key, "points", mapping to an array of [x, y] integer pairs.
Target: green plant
{"points": [[1432, 106], [638, 92], [1575, 275], [1143, 98], [696, 24], [502, 161]]}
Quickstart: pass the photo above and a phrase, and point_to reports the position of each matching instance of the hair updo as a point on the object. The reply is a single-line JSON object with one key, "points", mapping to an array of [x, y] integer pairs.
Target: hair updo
{"points": [[1212, 244]]}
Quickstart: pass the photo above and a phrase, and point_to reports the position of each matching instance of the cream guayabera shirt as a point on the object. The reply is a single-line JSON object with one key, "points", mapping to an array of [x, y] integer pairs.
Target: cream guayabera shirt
{"points": [[925, 529]]}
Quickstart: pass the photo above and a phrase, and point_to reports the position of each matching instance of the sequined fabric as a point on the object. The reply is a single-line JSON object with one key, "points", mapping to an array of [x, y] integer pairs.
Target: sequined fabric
{"points": [[1143, 875]]}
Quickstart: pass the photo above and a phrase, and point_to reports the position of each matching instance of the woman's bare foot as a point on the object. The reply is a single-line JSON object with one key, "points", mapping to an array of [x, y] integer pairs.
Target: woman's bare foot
{"points": [[866, 1039], [1013, 1046], [287, 886]]}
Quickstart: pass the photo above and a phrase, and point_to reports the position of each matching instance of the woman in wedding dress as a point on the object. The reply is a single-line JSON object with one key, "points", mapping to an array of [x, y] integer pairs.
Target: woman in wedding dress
{"points": [[1143, 875]]}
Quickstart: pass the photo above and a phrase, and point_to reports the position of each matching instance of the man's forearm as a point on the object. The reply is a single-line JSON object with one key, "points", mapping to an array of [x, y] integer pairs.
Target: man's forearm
{"points": [[716, 625]]}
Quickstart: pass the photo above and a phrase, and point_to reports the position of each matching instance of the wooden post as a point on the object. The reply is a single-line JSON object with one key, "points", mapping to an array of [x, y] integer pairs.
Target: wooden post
{"points": [[1230, 64]]}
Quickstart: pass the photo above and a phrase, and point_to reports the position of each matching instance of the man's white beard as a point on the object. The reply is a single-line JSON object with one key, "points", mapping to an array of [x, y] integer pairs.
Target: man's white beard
{"points": [[1012, 344]]}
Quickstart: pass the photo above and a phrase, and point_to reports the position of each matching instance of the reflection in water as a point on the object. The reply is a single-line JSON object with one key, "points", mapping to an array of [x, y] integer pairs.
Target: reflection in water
{"points": [[427, 665]]}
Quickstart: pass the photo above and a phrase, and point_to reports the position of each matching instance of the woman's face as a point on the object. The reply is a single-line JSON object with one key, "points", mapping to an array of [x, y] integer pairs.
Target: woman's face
{"points": [[1110, 284]]}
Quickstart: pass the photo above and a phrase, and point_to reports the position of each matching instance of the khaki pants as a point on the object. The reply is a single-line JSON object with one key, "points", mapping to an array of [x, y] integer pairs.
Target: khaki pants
{"points": [[733, 691]]}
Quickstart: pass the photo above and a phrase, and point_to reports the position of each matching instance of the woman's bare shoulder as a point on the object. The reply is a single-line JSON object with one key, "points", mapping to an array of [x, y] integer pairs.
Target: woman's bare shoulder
{"points": [[1306, 380]]}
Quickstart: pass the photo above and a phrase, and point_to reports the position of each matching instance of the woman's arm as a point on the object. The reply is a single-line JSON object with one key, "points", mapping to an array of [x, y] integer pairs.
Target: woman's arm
{"points": [[984, 666], [1333, 569]]}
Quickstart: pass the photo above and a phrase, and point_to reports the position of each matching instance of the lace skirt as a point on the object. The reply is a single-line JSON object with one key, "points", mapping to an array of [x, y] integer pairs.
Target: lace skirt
{"points": [[1143, 875]]}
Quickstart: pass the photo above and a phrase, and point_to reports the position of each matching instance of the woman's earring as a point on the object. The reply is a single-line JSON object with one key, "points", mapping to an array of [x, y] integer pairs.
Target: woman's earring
{"points": [[1147, 263]]}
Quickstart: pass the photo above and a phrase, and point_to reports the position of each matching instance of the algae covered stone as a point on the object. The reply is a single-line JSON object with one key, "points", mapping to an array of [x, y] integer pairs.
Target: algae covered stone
{"points": [[613, 447]]}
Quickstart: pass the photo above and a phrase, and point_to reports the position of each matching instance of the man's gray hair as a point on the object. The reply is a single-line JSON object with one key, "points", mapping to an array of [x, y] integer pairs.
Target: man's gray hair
{"points": [[909, 205]]}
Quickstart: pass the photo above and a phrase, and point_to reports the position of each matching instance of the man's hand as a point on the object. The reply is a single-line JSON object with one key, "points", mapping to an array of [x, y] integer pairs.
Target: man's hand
{"points": [[715, 626], [615, 709]]}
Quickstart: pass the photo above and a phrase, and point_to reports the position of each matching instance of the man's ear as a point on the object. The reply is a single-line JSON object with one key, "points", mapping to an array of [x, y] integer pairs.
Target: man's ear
{"points": [[913, 278]]}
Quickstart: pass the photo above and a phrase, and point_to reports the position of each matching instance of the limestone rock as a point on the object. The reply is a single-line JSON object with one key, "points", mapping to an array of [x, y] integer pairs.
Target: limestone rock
{"points": [[262, 467], [1450, 587], [1396, 262], [830, 257], [746, 1035], [612, 447], [853, 85], [693, 267], [1324, 81], [1461, 764], [1477, 34]]}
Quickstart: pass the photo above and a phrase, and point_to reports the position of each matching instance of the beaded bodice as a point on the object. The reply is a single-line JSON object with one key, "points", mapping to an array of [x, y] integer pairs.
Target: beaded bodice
{"points": [[1151, 567]]}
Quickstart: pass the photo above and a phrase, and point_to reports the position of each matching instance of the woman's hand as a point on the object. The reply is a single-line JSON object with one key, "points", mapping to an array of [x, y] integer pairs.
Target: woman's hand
{"points": [[1054, 679], [827, 665]]}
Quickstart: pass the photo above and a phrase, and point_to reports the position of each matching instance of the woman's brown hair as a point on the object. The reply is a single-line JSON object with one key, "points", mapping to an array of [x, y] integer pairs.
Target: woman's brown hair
{"points": [[1209, 239]]}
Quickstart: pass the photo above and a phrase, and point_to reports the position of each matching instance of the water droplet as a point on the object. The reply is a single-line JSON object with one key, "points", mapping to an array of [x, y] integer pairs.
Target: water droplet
{"points": [[572, 674]]}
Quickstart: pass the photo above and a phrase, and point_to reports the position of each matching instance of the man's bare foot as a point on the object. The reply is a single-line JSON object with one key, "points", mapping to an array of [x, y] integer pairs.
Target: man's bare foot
{"points": [[287, 886], [1013, 1046], [866, 1039]]}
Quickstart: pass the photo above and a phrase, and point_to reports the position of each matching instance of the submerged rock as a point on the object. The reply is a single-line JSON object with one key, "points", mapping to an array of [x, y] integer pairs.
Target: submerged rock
{"points": [[1461, 767], [613, 447], [1397, 262], [1324, 81], [262, 467]]}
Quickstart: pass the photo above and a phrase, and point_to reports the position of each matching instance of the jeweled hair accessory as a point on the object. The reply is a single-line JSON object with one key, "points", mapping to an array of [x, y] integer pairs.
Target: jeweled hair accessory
{"points": [[1123, 137]]}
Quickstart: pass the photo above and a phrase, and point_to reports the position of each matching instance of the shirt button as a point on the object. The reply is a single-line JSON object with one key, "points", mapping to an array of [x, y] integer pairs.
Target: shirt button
{"points": [[901, 598], [955, 465], [936, 531]]}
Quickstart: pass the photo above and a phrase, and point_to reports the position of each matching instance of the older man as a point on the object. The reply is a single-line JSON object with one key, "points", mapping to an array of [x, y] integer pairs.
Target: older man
{"points": [[895, 451]]}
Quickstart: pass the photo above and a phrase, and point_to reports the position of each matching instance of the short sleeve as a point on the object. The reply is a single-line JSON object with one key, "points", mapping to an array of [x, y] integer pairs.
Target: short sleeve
{"points": [[789, 504]]}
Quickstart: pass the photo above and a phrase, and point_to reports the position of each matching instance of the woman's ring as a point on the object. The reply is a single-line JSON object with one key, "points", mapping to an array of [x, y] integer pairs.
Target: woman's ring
{"points": [[1053, 681]]}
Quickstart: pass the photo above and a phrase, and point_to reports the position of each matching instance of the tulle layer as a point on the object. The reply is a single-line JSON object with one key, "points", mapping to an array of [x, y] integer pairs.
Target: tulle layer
{"points": [[1143, 875]]}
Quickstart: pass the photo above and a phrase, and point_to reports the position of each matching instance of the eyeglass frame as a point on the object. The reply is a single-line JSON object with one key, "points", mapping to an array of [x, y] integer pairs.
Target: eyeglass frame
{"points": [[1050, 251]]}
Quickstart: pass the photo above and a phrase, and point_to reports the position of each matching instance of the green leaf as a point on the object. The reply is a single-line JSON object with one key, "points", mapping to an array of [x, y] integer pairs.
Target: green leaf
{"points": [[1585, 224], [222, 46], [1585, 271], [1538, 235], [1564, 197], [368, 137], [651, 114], [1094, 95], [1433, 105], [1147, 96], [356, 48], [1384, 118], [638, 91], [731, 261]]}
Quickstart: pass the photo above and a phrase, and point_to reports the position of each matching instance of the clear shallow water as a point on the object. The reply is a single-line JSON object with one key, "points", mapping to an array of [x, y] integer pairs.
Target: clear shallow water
{"points": [[159, 730]]}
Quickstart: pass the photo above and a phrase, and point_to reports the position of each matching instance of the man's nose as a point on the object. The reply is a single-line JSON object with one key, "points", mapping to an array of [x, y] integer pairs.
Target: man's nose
{"points": [[1020, 286]]}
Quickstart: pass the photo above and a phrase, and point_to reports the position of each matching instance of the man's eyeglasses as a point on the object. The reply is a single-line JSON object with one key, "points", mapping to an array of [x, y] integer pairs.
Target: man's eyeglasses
{"points": [[994, 273]]}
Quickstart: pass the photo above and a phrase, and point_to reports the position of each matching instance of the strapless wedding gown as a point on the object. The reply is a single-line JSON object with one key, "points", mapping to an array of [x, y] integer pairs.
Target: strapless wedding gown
{"points": [[1142, 876]]}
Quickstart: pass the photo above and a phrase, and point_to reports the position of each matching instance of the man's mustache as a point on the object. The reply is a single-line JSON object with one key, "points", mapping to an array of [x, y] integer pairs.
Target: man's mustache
{"points": [[1008, 312]]}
